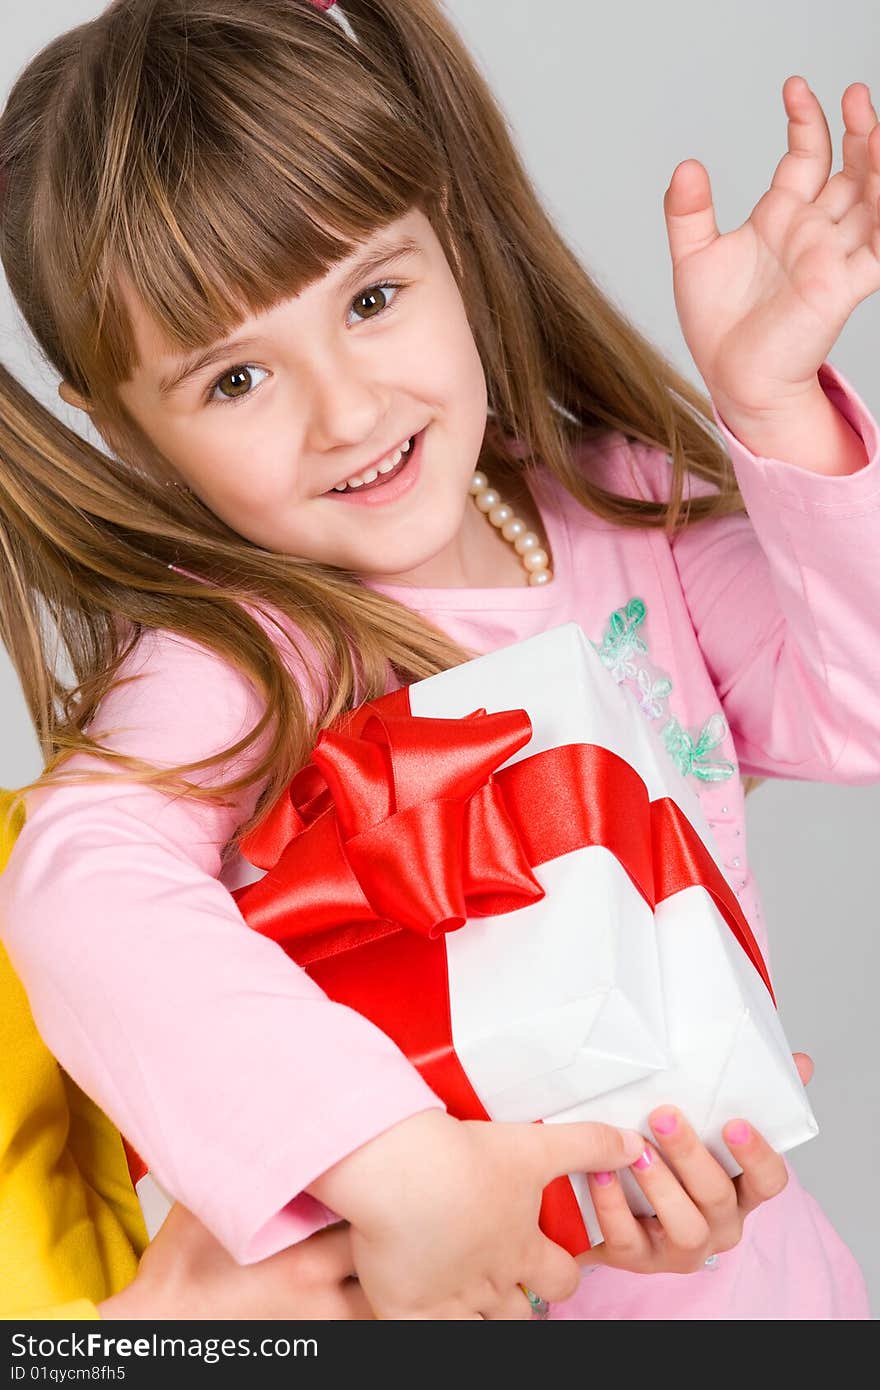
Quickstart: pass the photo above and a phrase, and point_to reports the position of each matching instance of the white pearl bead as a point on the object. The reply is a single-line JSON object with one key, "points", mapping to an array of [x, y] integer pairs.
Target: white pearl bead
{"points": [[527, 541], [487, 499], [536, 559]]}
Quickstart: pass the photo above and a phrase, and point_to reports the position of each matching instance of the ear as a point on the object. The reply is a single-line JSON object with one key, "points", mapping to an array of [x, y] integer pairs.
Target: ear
{"points": [[69, 394], [72, 397]]}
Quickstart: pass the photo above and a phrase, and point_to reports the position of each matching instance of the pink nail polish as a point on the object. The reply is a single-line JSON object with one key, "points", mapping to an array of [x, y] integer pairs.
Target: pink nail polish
{"points": [[738, 1132], [603, 1179], [644, 1162], [665, 1123]]}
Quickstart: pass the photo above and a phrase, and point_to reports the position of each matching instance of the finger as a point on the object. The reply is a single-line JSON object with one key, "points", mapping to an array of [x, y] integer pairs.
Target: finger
{"points": [[625, 1241], [689, 211], [347, 1303], [581, 1146], [764, 1172], [685, 1226], [325, 1257], [497, 1304], [804, 1064], [863, 267], [700, 1174], [551, 1271], [857, 224], [803, 170], [845, 189], [512, 1307], [451, 1311], [863, 264]]}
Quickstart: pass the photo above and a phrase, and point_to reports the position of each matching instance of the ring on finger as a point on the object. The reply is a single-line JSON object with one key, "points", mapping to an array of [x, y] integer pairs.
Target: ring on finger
{"points": [[540, 1307]]}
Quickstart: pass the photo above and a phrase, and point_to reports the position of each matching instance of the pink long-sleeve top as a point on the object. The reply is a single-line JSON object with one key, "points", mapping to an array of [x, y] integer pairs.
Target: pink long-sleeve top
{"points": [[751, 646]]}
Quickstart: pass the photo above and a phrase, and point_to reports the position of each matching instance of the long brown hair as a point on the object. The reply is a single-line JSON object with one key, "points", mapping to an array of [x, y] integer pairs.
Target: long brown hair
{"points": [[155, 142]]}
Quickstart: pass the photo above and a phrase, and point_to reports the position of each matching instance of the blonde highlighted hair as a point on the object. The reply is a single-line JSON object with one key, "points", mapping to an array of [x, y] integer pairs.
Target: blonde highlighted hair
{"points": [[152, 144]]}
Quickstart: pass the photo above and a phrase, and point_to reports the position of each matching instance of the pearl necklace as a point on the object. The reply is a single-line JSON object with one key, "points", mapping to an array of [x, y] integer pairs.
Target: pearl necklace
{"points": [[527, 545]]}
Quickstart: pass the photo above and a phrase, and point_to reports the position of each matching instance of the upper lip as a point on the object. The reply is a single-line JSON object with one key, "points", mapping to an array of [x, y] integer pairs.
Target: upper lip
{"points": [[354, 472]]}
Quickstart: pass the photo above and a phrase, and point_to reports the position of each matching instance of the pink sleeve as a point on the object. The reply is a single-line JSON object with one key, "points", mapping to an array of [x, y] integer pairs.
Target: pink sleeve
{"points": [[230, 1071], [785, 603]]}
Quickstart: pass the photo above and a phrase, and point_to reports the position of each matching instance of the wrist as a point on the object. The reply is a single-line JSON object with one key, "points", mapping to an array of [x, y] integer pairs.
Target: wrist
{"points": [[364, 1187], [810, 433]]}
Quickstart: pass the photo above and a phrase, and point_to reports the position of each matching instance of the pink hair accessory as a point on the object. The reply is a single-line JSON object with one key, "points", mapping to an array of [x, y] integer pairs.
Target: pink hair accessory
{"points": [[323, 4]]}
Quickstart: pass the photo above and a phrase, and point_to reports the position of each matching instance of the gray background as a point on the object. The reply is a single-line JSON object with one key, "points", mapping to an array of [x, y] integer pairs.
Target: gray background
{"points": [[605, 102]]}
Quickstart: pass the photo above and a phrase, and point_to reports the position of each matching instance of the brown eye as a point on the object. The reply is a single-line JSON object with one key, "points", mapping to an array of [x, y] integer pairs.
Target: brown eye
{"points": [[239, 379], [375, 300], [370, 300], [237, 384]]}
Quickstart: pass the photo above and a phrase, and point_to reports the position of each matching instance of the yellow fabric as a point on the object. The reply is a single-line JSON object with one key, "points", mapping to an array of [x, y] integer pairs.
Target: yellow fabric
{"points": [[71, 1228], [80, 1309]]}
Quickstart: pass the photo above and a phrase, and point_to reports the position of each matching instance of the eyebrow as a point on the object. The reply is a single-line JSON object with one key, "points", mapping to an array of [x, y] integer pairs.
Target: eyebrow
{"points": [[366, 265]]}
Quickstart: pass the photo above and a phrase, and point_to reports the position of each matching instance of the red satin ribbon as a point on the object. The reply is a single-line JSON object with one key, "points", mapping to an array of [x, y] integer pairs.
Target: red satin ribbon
{"points": [[137, 1169], [400, 828], [401, 821]]}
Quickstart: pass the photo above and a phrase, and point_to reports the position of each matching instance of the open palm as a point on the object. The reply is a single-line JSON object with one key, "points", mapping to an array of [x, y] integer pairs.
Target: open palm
{"points": [[761, 306]]}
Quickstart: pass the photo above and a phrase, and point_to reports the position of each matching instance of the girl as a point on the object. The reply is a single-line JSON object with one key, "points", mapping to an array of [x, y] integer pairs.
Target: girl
{"points": [[290, 266]]}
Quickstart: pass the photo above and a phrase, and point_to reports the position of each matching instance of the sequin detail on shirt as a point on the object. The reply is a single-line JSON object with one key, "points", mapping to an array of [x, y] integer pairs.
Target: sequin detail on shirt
{"points": [[624, 653]]}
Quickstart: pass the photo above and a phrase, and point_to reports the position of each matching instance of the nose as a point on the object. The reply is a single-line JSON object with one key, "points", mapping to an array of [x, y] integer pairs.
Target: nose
{"points": [[348, 406]]}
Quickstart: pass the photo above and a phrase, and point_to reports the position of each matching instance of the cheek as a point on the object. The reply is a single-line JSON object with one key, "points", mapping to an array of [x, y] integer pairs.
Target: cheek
{"points": [[239, 473], [448, 357], [471, 380]]}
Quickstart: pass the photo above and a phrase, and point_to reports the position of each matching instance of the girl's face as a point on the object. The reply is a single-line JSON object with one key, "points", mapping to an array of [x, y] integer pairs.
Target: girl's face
{"points": [[318, 389]]}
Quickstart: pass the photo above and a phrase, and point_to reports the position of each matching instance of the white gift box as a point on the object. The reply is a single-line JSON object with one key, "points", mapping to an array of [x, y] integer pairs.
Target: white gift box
{"points": [[591, 1004]]}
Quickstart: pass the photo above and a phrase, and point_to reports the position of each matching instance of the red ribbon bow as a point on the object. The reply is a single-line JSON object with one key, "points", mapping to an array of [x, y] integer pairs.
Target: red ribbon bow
{"points": [[396, 823], [405, 822]]}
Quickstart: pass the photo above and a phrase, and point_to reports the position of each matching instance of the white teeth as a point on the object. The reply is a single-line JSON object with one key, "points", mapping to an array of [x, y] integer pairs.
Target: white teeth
{"points": [[372, 473]]}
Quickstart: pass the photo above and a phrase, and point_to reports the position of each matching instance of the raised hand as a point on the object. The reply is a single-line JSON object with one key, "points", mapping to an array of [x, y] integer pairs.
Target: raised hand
{"points": [[760, 307]]}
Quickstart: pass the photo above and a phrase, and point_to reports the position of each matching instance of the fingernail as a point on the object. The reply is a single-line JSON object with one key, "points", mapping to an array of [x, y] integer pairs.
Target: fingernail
{"points": [[738, 1132], [645, 1161], [603, 1179], [665, 1122]]}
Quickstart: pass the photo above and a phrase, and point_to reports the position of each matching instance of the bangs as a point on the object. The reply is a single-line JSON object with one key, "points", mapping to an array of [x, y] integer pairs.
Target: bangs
{"points": [[258, 154]]}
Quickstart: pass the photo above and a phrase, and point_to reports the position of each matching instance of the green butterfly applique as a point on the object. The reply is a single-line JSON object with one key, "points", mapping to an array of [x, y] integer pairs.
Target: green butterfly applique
{"points": [[692, 756], [621, 650]]}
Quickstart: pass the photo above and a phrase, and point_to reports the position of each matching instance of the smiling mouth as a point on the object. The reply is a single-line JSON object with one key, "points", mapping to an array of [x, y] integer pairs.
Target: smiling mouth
{"points": [[382, 477]]}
